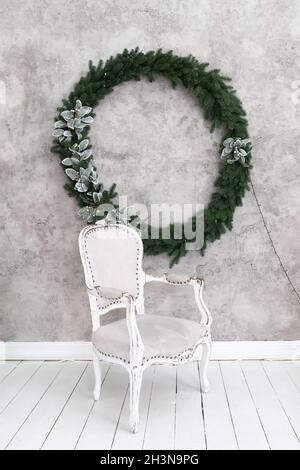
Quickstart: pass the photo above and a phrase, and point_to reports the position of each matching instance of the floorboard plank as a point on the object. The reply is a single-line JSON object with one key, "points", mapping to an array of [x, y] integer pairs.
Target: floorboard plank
{"points": [[13, 383], [189, 430], [249, 431], [251, 405], [124, 439], [278, 430], [36, 428], [15, 414], [293, 369], [102, 422], [286, 391], [66, 431], [160, 430], [6, 368], [220, 433]]}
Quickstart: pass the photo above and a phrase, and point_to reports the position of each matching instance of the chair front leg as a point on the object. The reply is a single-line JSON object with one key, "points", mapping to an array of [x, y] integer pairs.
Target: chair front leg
{"points": [[135, 380], [97, 371], [206, 352], [198, 285], [135, 368]]}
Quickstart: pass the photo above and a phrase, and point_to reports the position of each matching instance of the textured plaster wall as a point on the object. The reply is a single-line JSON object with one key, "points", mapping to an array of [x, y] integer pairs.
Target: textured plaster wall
{"points": [[153, 142]]}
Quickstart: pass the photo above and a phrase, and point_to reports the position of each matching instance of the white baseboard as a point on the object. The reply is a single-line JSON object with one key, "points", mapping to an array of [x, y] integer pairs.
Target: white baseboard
{"points": [[48, 350], [81, 350], [251, 350]]}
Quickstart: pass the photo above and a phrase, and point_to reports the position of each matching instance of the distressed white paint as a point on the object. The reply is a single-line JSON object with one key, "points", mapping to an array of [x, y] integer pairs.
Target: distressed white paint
{"points": [[116, 241]]}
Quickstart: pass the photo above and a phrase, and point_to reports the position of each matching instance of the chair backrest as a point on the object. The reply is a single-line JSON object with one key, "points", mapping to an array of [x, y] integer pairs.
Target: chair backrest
{"points": [[112, 258]]}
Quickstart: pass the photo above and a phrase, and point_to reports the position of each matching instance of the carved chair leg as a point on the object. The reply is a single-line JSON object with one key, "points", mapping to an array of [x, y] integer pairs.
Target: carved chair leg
{"points": [[135, 379], [206, 352], [97, 371]]}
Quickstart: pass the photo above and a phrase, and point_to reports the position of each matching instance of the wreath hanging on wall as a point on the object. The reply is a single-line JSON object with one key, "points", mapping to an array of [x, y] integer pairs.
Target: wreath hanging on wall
{"points": [[221, 107]]}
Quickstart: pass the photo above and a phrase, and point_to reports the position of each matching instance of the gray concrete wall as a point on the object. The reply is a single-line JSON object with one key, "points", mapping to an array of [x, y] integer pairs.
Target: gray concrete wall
{"points": [[153, 142]]}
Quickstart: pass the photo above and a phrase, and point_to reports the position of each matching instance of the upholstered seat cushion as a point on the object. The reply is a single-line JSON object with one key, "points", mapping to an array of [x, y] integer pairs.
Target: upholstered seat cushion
{"points": [[161, 335]]}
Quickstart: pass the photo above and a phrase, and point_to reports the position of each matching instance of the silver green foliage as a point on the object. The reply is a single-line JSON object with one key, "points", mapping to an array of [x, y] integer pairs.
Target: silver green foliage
{"points": [[74, 120], [84, 177], [236, 150], [119, 216], [79, 152], [88, 213], [114, 216]]}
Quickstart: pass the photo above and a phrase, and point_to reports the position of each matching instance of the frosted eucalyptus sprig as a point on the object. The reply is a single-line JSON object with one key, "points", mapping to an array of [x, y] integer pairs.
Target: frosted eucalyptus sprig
{"points": [[236, 150], [84, 177], [74, 120], [119, 216], [88, 213], [79, 162], [80, 152]]}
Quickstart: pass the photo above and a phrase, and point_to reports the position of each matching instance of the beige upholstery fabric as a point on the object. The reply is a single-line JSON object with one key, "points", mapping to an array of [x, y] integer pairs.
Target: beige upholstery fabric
{"points": [[109, 293], [112, 254], [161, 335]]}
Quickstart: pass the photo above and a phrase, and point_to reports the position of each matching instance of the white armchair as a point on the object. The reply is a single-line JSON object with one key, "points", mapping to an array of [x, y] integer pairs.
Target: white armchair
{"points": [[112, 260]]}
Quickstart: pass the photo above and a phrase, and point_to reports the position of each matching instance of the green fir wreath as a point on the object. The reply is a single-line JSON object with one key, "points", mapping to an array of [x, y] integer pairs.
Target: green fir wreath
{"points": [[220, 105]]}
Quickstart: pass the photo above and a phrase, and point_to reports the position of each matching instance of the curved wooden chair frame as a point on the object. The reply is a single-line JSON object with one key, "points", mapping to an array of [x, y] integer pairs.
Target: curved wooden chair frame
{"points": [[134, 305]]}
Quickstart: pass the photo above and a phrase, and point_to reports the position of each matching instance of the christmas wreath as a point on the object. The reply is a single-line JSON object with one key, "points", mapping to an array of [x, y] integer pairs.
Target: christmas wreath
{"points": [[220, 105]]}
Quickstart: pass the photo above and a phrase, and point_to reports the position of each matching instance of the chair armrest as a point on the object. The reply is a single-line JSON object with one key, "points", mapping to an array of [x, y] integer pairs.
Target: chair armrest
{"points": [[108, 293], [196, 283], [179, 279], [136, 343]]}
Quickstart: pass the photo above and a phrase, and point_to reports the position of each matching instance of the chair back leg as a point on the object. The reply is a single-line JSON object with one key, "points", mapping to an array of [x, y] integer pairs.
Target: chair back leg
{"points": [[206, 353], [97, 372], [135, 383]]}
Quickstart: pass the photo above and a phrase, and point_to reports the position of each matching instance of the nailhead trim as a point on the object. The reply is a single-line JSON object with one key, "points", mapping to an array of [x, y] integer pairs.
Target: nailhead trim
{"points": [[120, 227], [184, 355], [178, 282]]}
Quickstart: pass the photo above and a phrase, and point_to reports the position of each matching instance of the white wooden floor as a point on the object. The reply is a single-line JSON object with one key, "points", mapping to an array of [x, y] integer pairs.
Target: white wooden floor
{"points": [[251, 405]]}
